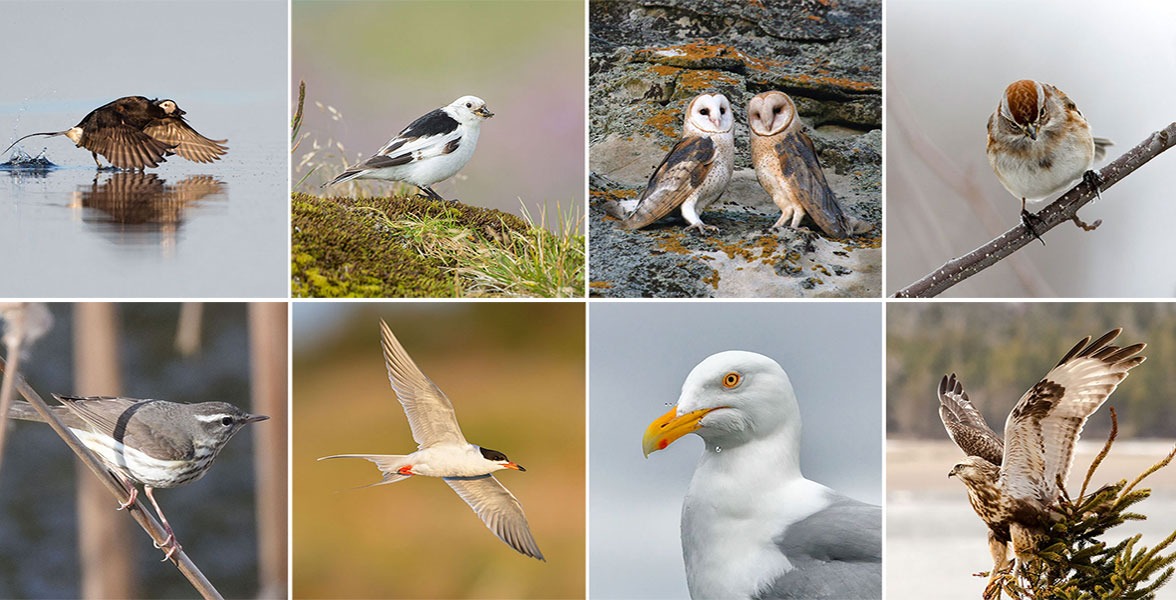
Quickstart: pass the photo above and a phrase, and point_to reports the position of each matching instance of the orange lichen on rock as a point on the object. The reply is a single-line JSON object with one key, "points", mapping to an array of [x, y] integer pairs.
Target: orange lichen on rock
{"points": [[600, 285], [672, 243], [665, 121]]}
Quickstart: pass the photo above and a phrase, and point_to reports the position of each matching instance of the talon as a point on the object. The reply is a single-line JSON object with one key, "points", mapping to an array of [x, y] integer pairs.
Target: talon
{"points": [[170, 545], [1027, 219], [1094, 180], [405, 470], [130, 499]]}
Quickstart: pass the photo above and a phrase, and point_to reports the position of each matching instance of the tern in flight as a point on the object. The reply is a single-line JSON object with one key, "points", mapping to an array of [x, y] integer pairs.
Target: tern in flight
{"points": [[442, 451]]}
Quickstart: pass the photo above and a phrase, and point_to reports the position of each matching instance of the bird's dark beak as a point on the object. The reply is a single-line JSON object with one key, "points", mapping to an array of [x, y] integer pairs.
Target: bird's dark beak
{"points": [[1031, 131], [511, 465], [255, 418], [483, 112], [180, 111]]}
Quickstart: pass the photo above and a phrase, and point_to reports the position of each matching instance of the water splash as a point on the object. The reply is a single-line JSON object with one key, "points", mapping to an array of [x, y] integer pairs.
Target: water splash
{"points": [[22, 161]]}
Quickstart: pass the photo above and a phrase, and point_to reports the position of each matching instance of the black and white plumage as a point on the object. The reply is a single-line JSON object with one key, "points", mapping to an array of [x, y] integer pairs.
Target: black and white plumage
{"points": [[752, 526], [135, 132], [694, 174], [787, 167], [442, 451], [432, 148], [1012, 483]]}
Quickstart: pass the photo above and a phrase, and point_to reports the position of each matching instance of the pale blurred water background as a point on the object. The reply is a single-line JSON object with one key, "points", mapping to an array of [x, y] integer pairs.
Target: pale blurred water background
{"points": [[947, 64], [214, 518], [383, 64], [184, 229], [935, 541]]}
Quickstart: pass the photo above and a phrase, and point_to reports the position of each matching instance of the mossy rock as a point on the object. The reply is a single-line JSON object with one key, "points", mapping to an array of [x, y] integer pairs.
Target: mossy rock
{"points": [[341, 247]]}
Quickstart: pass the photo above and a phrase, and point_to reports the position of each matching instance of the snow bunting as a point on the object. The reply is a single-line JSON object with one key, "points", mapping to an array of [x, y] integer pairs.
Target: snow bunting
{"points": [[695, 172], [432, 148], [134, 133]]}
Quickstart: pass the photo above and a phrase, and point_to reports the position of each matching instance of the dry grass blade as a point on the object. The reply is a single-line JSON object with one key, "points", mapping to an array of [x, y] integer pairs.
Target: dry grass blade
{"points": [[1101, 455]]}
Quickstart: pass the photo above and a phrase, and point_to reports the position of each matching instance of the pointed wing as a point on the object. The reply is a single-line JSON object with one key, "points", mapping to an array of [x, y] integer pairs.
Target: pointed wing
{"points": [[429, 412], [499, 510], [435, 134], [799, 164], [965, 425], [1044, 425], [188, 143], [680, 173], [124, 145]]}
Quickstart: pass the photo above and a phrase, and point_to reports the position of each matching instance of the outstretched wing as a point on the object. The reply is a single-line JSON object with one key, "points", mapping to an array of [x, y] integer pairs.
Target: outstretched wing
{"points": [[680, 173], [965, 425], [187, 141], [799, 164], [123, 144], [1044, 425], [430, 413], [499, 510]]}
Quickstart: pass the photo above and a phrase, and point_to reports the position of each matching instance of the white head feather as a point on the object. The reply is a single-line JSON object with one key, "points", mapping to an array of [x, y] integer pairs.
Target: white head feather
{"points": [[468, 110], [709, 114]]}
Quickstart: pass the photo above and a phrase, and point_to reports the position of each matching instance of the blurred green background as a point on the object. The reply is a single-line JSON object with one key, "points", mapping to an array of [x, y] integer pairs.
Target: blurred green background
{"points": [[1001, 349], [515, 375], [383, 64]]}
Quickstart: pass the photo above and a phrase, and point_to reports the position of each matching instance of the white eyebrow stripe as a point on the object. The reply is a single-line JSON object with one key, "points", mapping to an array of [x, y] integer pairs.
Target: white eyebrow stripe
{"points": [[212, 418]]}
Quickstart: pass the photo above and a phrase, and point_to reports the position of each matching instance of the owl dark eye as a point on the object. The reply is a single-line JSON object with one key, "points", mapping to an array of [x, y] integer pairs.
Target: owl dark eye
{"points": [[705, 111], [722, 110], [777, 110], [226, 421]]}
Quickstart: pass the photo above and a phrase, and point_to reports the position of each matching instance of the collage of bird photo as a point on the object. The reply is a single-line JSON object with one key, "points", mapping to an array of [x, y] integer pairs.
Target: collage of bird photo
{"points": [[587, 299]]}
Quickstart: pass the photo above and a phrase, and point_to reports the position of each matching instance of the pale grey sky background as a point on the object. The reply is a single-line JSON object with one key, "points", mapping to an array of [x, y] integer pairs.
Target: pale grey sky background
{"points": [[947, 64], [639, 355]]}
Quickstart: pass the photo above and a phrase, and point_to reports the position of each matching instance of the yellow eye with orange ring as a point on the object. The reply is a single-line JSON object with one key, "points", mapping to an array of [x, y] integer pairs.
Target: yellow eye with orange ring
{"points": [[731, 380]]}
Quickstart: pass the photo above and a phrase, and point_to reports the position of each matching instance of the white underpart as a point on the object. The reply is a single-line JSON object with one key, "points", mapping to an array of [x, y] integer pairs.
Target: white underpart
{"points": [[740, 502], [450, 460], [150, 471]]}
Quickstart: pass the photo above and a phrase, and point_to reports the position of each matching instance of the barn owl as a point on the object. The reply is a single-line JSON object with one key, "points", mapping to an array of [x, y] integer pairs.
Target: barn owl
{"points": [[695, 172], [787, 167]]}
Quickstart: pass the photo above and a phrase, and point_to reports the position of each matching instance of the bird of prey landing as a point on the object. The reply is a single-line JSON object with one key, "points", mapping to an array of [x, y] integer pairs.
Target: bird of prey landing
{"points": [[1012, 483]]}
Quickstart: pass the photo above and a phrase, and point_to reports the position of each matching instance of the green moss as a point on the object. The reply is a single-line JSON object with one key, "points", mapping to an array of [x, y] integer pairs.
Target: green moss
{"points": [[382, 247]]}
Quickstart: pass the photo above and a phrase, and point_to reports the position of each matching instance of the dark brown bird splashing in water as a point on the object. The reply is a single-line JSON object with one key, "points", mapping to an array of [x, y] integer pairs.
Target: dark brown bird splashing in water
{"points": [[135, 133]]}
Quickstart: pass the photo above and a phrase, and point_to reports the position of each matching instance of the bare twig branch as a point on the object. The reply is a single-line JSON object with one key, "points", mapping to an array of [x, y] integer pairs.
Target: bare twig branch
{"points": [[1060, 211], [141, 516]]}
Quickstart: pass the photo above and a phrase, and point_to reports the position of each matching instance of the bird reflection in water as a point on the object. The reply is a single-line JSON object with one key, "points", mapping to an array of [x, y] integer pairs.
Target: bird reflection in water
{"points": [[142, 208]]}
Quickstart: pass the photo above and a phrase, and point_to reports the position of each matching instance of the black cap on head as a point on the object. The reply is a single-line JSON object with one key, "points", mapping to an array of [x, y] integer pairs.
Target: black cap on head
{"points": [[493, 455]]}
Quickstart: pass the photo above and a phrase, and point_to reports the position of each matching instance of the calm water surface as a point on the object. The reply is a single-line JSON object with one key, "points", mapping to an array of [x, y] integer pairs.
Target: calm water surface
{"points": [[182, 229]]}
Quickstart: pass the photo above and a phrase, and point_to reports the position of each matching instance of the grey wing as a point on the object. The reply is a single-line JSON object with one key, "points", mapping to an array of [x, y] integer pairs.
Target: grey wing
{"points": [[187, 141], [430, 413], [103, 421], [499, 510], [678, 176], [965, 425], [802, 169], [163, 439], [1043, 427], [835, 553]]}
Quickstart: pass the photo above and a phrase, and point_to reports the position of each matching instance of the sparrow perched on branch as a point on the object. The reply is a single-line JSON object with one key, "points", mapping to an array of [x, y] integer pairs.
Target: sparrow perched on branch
{"points": [[1040, 144]]}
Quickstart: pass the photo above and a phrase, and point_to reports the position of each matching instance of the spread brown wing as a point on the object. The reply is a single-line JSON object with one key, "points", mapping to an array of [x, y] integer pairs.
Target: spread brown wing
{"points": [[680, 173], [188, 143], [124, 146], [965, 425], [1046, 422], [799, 164]]}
